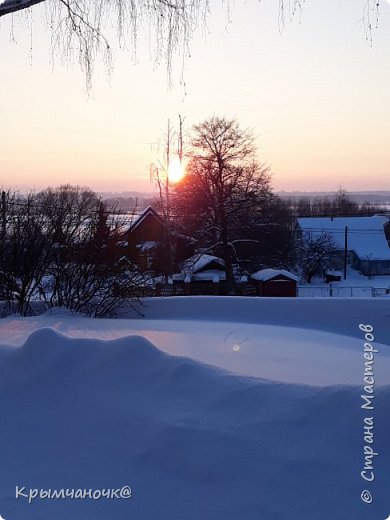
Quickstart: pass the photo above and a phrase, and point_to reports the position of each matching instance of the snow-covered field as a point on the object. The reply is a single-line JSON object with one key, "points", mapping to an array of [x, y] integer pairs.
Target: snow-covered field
{"points": [[208, 408]]}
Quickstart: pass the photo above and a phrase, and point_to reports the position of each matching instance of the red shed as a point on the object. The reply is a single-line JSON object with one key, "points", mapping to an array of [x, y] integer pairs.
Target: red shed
{"points": [[274, 282]]}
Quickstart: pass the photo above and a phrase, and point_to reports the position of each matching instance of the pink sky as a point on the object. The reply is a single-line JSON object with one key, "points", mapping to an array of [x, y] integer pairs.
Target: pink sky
{"points": [[317, 97]]}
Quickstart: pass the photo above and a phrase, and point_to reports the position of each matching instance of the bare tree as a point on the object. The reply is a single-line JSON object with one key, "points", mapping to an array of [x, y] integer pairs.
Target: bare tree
{"points": [[62, 246], [92, 275], [224, 187], [78, 26], [315, 252], [24, 251], [88, 271]]}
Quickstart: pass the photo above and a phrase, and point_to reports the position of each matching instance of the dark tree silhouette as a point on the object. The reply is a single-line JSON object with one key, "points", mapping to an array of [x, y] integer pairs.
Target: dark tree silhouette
{"points": [[315, 253], [224, 189]]}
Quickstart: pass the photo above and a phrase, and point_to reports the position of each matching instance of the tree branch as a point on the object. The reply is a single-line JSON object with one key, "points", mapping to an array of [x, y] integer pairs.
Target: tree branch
{"points": [[12, 6]]}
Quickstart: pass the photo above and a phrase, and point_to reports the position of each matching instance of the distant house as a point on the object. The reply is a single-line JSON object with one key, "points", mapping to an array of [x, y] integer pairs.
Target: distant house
{"points": [[144, 235], [146, 227], [204, 274], [201, 274], [147, 243], [276, 282], [201, 268], [367, 246], [330, 275]]}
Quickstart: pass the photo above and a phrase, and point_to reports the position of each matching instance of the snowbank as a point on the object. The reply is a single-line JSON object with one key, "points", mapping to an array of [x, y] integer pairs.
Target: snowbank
{"points": [[191, 441], [286, 340], [84, 410], [197, 263]]}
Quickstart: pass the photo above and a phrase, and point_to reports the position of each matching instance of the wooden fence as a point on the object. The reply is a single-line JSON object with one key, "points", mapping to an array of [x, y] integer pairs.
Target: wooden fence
{"points": [[222, 288]]}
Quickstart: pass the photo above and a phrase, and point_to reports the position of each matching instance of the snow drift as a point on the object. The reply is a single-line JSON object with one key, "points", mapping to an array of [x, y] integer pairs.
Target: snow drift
{"points": [[312, 341], [193, 441]]}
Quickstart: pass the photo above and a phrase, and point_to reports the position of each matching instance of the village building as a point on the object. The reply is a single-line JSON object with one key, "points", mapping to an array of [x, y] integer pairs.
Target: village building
{"points": [[275, 283], [149, 241], [361, 239]]}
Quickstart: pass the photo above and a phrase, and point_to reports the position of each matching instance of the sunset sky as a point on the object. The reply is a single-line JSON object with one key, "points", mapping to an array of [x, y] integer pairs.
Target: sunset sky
{"points": [[317, 97]]}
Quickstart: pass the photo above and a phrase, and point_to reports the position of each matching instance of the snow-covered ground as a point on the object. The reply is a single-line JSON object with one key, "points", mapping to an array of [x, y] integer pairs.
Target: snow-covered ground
{"points": [[209, 408], [356, 279], [355, 285]]}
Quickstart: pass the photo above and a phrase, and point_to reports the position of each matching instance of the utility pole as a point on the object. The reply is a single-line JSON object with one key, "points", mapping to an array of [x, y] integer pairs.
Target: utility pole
{"points": [[345, 251]]}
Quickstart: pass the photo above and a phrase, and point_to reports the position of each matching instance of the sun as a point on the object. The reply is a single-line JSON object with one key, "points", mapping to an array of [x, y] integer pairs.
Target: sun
{"points": [[175, 170]]}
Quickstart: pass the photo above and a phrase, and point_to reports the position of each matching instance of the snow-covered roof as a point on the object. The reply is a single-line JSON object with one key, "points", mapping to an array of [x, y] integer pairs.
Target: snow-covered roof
{"points": [[366, 236], [332, 272], [141, 217], [199, 262], [267, 274]]}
